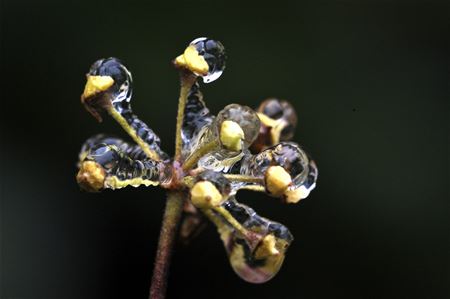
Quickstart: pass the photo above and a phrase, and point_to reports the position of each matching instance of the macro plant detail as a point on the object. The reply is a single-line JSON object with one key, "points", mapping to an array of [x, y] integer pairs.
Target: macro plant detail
{"points": [[215, 157]]}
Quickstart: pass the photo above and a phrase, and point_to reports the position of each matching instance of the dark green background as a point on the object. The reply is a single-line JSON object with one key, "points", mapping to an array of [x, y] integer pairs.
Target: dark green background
{"points": [[370, 84]]}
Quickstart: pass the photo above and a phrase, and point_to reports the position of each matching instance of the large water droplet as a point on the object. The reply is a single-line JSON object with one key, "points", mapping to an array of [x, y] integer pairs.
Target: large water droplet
{"points": [[309, 183], [253, 258], [214, 54], [283, 113], [292, 158], [245, 117], [114, 68]]}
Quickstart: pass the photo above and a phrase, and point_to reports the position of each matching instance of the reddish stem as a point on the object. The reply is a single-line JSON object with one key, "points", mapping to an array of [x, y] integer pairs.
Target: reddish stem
{"points": [[169, 229]]}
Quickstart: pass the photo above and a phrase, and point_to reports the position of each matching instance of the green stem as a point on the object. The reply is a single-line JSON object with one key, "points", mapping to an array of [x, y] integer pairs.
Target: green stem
{"points": [[132, 132], [169, 229]]}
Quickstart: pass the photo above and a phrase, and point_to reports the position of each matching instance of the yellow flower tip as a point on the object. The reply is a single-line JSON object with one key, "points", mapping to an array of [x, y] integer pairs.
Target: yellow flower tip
{"points": [[277, 180], [180, 61], [231, 135], [295, 195], [91, 176], [96, 84], [266, 121], [274, 125], [205, 195], [267, 247], [193, 61]]}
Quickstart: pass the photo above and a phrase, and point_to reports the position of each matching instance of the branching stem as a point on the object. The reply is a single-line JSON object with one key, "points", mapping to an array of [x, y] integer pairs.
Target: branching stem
{"points": [[174, 205]]}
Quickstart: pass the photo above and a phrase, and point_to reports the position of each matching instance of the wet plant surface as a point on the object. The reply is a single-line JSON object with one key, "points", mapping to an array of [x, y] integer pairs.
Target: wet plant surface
{"points": [[215, 157]]}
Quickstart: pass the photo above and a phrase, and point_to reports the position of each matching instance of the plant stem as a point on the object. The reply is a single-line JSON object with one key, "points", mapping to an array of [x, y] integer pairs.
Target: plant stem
{"points": [[243, 178], [256, 188], [187, 80], [133, 134], [169, 229], [174, 205]]}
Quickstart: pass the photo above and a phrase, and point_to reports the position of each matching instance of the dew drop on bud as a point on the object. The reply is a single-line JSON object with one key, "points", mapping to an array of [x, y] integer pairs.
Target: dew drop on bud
{"points": [[284, 116], [214, 54], [293, 159], [245, 117]]}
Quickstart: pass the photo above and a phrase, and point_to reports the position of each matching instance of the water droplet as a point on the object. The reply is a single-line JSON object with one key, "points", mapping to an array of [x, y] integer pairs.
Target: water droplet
{"points": [[214, 54], [278, 119], [196, 117], [245, 117], [257, 256], [218, 180], [106, 155], [309, 183], [113, 68], [291, 157], [220, 161]]}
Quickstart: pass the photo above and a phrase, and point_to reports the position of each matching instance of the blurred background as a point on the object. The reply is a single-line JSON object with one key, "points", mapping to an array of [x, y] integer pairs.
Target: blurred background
{"points": [[369, 80]]}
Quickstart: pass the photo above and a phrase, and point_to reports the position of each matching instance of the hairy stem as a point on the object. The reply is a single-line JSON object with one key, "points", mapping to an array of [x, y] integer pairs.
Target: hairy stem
{"points": [[187, 80], [174, 205], [169, 229]]}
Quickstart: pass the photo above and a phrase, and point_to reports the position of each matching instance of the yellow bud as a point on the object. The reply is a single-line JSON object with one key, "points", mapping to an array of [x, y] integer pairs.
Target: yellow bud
{"points": [[295, 195], [193, 61], [267, 247], [180, 61], [267, 121], [91, 176], [276, 126], [96, 84], [205, 195], [277, 180], [231, 135]]}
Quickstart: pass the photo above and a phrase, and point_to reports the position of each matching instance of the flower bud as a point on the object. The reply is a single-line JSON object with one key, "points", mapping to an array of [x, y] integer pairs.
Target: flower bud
{"points": [[211, 189], [204, 57], [91, 176], [205, 195], [277, 180], [231, 135], [243, 117], [267, 247]]}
